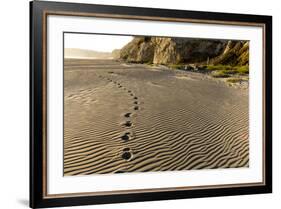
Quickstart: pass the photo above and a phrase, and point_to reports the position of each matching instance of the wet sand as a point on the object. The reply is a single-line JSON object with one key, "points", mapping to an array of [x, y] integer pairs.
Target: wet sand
{"points": [[134, 118]]}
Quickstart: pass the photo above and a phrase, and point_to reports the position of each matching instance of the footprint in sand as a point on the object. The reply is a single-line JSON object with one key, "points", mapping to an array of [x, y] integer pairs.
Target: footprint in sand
{"points": [[128, 124], [136, 108], [127, 155], [126, 136], [127, 115]]}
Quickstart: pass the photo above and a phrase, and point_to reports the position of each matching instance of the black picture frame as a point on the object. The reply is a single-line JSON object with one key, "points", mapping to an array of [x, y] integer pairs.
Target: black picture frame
{"points": [[38, 12]]}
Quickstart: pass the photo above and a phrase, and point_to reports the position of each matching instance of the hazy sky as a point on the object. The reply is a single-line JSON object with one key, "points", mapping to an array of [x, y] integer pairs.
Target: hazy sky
{"points": [[103, 43]]}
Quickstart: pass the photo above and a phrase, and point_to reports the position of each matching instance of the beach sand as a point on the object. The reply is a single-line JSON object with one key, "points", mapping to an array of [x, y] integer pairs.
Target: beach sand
{"points": [[134, 118]]}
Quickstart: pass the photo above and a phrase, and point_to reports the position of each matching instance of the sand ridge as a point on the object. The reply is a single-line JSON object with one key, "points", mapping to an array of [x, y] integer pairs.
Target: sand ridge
{"points": [[131, 119]]}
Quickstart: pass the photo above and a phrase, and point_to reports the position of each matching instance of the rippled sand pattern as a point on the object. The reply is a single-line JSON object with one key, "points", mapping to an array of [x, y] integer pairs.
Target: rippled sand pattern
{"points": [[133, 118]]}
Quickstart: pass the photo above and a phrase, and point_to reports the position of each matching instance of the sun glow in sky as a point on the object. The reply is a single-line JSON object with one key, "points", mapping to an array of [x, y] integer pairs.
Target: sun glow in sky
{"points": [[102, 43]]}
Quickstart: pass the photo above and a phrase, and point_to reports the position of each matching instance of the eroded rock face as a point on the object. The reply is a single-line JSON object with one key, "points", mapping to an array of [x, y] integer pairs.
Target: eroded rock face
{"points": [[178, 50], [235, 53], [165, 51], [140, 49], [160, 50]]}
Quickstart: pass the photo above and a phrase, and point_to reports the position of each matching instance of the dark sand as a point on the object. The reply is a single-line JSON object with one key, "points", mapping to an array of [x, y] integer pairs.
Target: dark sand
{"points": [[132, 118]]}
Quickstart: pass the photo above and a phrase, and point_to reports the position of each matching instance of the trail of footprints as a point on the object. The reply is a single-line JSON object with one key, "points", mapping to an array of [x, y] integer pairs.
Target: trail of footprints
{"points": [[127, 153]]}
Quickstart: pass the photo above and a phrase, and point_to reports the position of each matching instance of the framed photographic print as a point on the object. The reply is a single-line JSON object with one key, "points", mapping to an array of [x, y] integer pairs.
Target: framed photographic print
{"points": [[138, 104]]}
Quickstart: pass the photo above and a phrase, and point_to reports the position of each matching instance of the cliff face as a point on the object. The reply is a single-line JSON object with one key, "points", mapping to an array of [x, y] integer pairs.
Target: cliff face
{"points": [[176, 50], [182, 50], [140, 49], [235, 53]]}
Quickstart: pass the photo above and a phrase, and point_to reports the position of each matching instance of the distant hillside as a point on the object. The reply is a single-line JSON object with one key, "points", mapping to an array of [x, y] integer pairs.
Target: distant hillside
{"points": [[84, 53], [160, 50], [116, 53]]}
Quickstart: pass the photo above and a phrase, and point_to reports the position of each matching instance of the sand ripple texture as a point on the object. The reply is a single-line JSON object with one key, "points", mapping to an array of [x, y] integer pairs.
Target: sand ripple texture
{"points": [[134, 118]]}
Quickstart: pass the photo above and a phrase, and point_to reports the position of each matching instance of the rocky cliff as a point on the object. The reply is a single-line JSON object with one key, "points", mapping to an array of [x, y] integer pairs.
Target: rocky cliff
{"points": [[235, 53], [140, 49], [160, 50]]}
